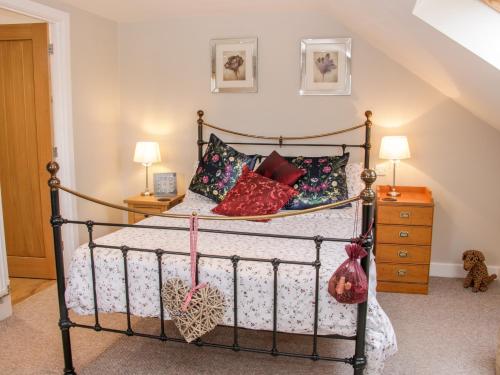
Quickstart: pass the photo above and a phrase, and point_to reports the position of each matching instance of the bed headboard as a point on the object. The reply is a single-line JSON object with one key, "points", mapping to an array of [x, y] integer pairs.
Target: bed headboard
{"points": [[291, 141]]}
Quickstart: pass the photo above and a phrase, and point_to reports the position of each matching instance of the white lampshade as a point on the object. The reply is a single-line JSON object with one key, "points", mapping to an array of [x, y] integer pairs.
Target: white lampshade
{"points": [[147, 152], [394, 147]]}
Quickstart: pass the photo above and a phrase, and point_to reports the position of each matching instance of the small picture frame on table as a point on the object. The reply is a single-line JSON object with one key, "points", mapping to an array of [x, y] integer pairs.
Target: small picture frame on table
{"points": [[325, 66], [165, 184], [234, 65]]}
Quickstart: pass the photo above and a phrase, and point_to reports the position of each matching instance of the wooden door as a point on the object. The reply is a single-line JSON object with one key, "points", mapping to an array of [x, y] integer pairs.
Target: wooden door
{"points": [[25, 149]]}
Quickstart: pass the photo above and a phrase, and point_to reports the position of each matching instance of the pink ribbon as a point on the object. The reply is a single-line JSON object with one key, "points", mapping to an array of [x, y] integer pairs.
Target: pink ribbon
{"points": [[193, 244]]}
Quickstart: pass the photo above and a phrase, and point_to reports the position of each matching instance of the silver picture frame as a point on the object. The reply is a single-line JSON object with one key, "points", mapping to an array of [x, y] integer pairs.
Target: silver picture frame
{"points": [[241, 75], [325, 66], [165, 184]]}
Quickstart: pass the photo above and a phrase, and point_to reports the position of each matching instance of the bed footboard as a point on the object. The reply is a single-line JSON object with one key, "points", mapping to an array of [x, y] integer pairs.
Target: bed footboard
{"points": [[357, 361]]}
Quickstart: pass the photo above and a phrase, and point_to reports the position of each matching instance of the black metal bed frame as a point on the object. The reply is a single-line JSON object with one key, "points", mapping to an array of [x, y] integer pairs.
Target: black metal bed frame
{"points": [[367, 196]]}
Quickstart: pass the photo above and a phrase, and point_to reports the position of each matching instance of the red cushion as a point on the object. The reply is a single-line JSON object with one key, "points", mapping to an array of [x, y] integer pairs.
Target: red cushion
{"points": [[278, 169], [254, 194]]}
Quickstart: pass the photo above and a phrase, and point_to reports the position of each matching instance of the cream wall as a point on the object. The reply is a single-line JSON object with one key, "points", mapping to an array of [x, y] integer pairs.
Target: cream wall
{"points": [[94, 75], [164, 79]]}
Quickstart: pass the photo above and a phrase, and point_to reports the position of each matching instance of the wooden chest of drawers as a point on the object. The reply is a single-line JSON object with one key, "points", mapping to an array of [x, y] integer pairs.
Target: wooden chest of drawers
{"points": [[403, 240]]}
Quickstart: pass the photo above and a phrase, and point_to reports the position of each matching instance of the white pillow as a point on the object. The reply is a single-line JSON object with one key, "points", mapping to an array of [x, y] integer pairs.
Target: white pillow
{"points": [[192, 196], [354, 182]]}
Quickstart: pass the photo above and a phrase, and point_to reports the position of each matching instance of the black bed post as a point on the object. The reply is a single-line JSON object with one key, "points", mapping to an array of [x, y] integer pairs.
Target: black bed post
{"points": [[200, 134], [57, 221], [368, 198]]}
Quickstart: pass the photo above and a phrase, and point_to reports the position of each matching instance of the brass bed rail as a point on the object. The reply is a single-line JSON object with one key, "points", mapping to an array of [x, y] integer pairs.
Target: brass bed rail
{"points": [[368, 115], [209, 217]]}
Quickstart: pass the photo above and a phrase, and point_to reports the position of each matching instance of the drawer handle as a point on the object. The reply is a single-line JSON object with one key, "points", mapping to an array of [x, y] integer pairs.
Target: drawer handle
{"points": [[402, 273], [404, 215], [403, 253], [404, 233]]}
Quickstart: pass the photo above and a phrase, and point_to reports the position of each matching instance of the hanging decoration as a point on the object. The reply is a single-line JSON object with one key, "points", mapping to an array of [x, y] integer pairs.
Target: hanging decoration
{"points": [[194, 310], [349, 283]]}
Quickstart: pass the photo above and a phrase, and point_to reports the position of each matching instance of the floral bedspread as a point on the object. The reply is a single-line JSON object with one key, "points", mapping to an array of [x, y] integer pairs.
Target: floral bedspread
{"points": [[255, 280]]}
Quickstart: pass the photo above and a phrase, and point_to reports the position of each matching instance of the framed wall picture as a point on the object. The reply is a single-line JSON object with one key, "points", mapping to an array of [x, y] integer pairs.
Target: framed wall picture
{"points": [[165, 184], [325, 66], [234, 65]]}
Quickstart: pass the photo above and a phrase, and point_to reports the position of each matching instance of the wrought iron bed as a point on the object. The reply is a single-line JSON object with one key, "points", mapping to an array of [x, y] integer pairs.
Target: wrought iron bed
{"points": [[357, 361]]}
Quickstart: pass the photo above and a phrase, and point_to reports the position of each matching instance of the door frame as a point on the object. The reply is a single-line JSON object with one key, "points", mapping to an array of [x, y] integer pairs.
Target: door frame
{"points": [[62, 115]]}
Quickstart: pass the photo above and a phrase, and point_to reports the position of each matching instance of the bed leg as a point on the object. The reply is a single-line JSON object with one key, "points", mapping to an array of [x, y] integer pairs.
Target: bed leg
{"points": [[68, 357], [368, 196], [56, 220]]}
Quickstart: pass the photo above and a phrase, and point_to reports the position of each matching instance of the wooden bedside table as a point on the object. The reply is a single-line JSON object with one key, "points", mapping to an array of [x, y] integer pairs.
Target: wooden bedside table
{"points": [[403, 240], [150, 204]]}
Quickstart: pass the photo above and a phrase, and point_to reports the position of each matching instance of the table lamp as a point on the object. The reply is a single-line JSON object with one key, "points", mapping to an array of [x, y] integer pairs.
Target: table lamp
{"points": [[394, 148], [147, 153]]}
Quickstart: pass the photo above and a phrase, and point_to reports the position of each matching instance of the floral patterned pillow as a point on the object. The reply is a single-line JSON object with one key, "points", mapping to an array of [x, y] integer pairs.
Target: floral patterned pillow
{"points": [[324, 182], [219, 169], [254, 194]]}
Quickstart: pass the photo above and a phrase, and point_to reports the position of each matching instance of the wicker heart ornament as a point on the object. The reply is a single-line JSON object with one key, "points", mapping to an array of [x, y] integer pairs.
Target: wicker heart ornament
{"points": [[204, 312], [198, 309]]}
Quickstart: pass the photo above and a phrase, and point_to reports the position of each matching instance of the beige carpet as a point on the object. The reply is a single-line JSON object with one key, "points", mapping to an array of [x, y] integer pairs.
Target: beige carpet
{"points": [[30, 340], [450, 331]]}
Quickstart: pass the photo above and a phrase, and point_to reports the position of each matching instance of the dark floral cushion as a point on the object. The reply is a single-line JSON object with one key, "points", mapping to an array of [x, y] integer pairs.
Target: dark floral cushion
{"points": [[254, 194], [324, 182], [219, 169]]}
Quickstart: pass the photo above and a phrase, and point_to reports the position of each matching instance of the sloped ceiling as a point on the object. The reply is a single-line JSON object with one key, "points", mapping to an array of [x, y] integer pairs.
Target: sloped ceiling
{"points": [[450, 16], [450, 68], [389, 25]]}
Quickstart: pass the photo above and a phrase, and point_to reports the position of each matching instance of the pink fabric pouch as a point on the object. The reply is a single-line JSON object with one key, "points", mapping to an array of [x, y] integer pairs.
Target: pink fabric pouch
{"points": [[348, 283]]}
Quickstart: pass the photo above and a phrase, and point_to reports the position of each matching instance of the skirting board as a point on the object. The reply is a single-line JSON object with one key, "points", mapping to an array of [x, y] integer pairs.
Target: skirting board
{"points": [[455, 270], [5, 307]]}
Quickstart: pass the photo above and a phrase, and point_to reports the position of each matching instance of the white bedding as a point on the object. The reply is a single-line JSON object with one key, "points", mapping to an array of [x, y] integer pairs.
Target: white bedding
{"points": [[255, 286]]}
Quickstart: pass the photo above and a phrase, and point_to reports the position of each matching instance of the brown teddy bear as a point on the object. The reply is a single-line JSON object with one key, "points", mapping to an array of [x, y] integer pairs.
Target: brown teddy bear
{"points": [[478, 273]]}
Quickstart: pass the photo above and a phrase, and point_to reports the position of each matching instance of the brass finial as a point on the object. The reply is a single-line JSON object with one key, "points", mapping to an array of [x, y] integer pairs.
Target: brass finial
{"points": [[200, 116], [53, 168], [368, 115], [368, 195]]}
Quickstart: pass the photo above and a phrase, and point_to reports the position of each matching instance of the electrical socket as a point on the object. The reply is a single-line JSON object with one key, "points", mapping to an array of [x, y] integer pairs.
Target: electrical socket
{"points": [[380, 169]]}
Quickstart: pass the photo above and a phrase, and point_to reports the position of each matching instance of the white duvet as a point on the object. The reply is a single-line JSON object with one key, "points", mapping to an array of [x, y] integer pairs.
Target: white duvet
{"points": [[255, 280]]}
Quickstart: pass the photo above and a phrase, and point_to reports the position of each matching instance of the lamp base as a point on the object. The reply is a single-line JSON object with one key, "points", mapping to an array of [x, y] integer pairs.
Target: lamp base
{"points": [[147, 193], [393, 192]]}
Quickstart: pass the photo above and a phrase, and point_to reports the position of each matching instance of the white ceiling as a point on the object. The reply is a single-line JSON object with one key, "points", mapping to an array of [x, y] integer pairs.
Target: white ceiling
{"points": [[134, 10], [8, 18], [389, 25]]}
